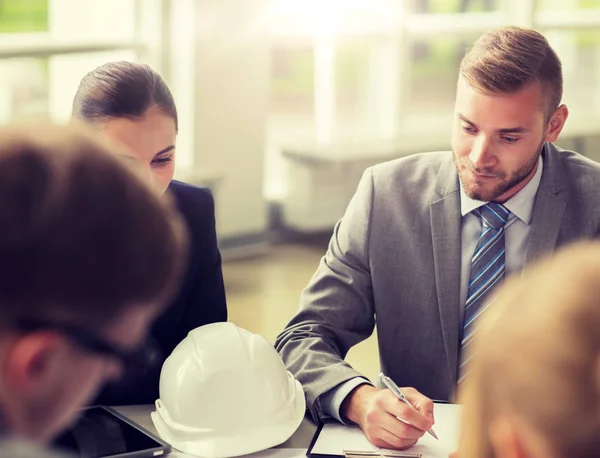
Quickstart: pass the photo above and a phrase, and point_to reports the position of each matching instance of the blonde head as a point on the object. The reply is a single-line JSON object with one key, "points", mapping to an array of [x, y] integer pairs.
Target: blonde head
{"points": [[537, 360]]}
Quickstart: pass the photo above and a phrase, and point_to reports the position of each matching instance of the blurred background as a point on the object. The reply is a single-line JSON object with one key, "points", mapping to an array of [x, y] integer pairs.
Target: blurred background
{"points": [[284, 103]]}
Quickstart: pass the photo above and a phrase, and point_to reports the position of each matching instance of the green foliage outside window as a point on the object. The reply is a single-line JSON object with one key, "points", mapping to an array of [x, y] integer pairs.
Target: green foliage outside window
{"points": [[23, 16]]}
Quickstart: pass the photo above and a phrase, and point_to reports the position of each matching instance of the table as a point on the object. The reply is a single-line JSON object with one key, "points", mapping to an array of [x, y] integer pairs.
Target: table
{"points": [[141, 415]]}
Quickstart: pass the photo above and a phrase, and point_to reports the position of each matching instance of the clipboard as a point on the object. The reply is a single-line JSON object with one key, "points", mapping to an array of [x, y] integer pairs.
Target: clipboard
{"points": [[374, 453], [326, 440]]}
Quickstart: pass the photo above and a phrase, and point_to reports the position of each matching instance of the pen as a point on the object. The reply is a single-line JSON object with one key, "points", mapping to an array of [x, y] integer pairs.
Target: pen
{"points": [[389, 383]]}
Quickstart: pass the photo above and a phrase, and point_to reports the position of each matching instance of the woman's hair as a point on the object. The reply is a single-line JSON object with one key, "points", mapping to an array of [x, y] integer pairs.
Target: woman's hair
{"points": [[537, 358], [122, 90]]}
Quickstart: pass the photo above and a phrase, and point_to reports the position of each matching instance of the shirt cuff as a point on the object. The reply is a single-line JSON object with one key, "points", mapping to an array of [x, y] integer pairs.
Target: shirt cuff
{"points": [[331, 401]]}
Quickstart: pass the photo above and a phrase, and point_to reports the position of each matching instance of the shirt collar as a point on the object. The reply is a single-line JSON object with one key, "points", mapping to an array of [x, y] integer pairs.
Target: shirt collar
{"points": [[521, 204]]}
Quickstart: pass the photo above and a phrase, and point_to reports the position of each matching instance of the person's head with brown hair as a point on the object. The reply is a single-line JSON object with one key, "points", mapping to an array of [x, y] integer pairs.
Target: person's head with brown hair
{"points": [[507, 60], [534, 389], [132, 104], [84, 269], [508, 105]]}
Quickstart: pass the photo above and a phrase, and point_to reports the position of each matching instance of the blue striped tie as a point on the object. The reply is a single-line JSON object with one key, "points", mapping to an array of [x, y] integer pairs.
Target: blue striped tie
{"points": [[487, 271]]}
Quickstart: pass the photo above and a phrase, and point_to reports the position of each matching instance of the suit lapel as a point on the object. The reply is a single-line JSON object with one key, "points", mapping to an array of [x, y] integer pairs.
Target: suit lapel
{"points": [[446, 234], [549, 209], [446, 222]]}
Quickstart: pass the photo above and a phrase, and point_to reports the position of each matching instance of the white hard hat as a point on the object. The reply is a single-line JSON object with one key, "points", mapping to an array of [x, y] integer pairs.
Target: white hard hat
{"points": [[225, 392]]}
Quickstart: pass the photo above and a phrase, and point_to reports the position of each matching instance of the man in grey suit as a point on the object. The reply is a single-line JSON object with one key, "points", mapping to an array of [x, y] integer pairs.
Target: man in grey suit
{"points": [[427, 238]]}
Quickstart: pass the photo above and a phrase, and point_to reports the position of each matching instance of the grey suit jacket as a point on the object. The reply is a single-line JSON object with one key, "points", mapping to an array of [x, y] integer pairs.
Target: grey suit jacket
{"points": [[394, 261]]}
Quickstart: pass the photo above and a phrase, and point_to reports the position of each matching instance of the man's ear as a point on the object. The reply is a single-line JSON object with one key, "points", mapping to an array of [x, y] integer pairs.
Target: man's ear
{"points": [[505, 440], [31, 362], [556, 123]]}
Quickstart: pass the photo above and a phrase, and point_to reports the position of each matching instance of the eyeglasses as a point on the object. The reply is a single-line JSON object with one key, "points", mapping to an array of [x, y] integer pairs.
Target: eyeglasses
{"points": [[137, 361]]}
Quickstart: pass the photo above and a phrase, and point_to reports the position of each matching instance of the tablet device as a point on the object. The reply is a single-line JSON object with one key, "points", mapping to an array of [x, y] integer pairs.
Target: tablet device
{"points": [[104, 432]]}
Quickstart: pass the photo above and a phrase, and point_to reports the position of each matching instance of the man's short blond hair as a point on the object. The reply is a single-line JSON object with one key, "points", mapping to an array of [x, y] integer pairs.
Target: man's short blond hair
{"points": [[505, 60]]}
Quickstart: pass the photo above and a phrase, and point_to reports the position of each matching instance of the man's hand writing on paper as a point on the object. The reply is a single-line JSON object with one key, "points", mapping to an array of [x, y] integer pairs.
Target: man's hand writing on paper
{"points": [[386, 421]]}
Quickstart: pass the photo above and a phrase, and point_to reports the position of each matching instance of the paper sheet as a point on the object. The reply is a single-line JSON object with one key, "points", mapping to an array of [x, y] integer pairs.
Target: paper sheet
{"points": [[336, 438], [270, 453]]}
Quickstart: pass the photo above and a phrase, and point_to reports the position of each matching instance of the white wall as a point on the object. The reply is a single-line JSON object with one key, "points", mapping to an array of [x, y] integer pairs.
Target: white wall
{"points": [[232, 96]]}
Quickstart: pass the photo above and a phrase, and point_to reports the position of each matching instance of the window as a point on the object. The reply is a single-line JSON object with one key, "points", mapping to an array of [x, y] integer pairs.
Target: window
{"points": [[24, 88], [580, 55], [567, 5], [432, 79], [47, 46], [457, 6], [23, 16], [292, 84]]}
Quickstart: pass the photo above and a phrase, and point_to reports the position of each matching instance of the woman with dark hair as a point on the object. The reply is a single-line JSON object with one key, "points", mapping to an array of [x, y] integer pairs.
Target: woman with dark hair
{"points": [[132, 105]]}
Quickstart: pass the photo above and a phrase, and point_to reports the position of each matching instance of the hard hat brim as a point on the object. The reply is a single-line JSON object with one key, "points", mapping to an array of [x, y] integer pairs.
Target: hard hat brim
{"points": [[241, 443]]}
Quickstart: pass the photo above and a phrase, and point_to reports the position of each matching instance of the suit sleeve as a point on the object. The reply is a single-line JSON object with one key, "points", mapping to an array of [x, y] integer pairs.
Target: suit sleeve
{"points": [[207, 303], [336, 308]]}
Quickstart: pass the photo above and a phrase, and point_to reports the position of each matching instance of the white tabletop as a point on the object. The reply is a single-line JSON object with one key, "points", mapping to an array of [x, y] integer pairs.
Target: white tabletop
{"points": [[447, 427]]}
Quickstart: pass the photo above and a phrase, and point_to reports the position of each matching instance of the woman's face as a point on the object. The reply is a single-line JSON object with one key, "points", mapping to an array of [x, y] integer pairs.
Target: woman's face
{"points": [[150, 140]]}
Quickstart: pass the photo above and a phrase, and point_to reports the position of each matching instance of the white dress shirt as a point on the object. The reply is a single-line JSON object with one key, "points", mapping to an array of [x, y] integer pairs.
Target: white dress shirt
{"points": [[516, 234]]}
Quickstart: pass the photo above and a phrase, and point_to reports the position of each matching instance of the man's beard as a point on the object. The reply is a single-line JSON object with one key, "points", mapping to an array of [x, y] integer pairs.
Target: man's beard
{"points": [[477, 192]]}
